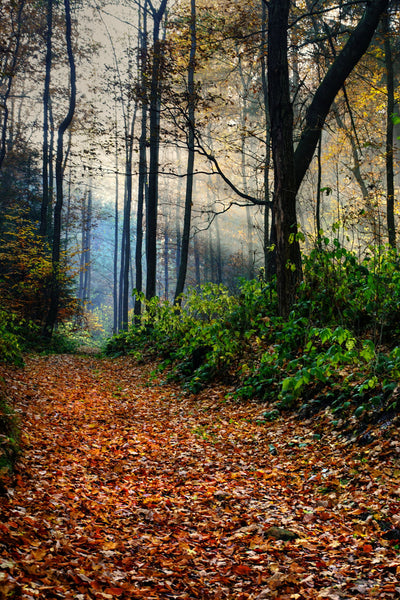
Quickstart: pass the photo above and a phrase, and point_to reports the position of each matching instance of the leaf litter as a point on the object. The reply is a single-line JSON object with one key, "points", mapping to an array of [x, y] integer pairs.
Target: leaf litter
{"points": [[127, 488]]}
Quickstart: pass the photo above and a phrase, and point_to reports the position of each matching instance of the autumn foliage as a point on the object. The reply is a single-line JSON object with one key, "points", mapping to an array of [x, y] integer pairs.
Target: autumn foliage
{"points": [[25, 278], [128, 488]]}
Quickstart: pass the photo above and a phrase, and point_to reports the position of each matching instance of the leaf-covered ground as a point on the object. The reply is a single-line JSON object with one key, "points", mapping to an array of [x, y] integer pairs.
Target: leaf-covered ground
{"points": [[128, 489]]}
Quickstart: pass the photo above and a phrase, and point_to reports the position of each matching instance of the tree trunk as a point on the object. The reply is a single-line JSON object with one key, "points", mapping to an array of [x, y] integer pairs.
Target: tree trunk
{"points": [[56, 251], [177, 221], [166, 261], [43, 230], [121, 272], [218, 254], [290, 168], [196, 256], [142, 182], [127, 222], [190, 164], [319, 179], [82, 256], [288, 259], [152, 202], [87, 249], [389, 131], [116, 232], [268, 253]]}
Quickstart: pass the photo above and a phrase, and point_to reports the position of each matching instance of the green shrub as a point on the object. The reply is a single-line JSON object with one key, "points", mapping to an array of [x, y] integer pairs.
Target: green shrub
{"points": [[361, 295], [328, 352], [203, 337], [9, 435], [10, 341]]}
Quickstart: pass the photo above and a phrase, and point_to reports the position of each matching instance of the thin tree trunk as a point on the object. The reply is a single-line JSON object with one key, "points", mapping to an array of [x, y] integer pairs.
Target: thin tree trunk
{"points": [[116, 232], [87, 249], [319, 179], [56, 253], [51, 154], [356, 170], [82, 256], [218, 256], [142, 163], [389, 131], [121, 272], [152, 202], [211, 274], [268, 254], [196, 255], [166, 261], [190, 164], [127, 223], [46, 98], [244, 115]]}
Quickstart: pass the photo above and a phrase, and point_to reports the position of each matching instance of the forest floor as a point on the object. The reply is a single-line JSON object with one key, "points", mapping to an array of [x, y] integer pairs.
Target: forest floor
{"points": [[126, 488]]}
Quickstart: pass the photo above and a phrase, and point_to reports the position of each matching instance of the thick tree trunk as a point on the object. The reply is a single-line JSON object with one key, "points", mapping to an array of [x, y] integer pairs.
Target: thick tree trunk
{"points": [[288, 259], [289, 168]]}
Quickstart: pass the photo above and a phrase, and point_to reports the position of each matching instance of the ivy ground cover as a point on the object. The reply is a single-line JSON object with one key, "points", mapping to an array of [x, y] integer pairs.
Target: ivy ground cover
{"points": [[129, 489]]}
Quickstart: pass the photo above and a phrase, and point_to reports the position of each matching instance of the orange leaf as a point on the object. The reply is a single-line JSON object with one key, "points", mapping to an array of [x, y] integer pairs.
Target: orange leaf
{"points": [[242, 570], [114, 591]]}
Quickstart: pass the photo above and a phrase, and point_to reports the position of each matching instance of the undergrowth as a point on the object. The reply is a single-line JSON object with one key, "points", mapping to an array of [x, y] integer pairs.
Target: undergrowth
{"points": [[9, 434], [338, 348]]}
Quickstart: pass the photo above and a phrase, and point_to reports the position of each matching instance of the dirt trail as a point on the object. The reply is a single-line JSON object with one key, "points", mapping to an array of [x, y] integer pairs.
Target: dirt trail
{"points": [[128, 489]]}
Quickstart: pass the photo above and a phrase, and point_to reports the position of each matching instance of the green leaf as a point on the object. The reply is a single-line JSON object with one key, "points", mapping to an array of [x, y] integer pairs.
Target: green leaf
{"points": [[287, 384]]}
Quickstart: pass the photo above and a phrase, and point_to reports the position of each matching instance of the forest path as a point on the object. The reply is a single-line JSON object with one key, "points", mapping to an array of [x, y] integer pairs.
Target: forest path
{"points": [[128, 489]]}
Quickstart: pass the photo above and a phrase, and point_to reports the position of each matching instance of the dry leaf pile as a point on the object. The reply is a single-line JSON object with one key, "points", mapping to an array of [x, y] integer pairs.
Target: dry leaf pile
{"points": [[128, 489]]}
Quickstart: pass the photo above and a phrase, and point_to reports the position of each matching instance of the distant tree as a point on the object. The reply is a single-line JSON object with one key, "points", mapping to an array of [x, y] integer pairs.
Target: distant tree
{"points": [[85, 258], [9, 56], [20, 184], [44, 229]]}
